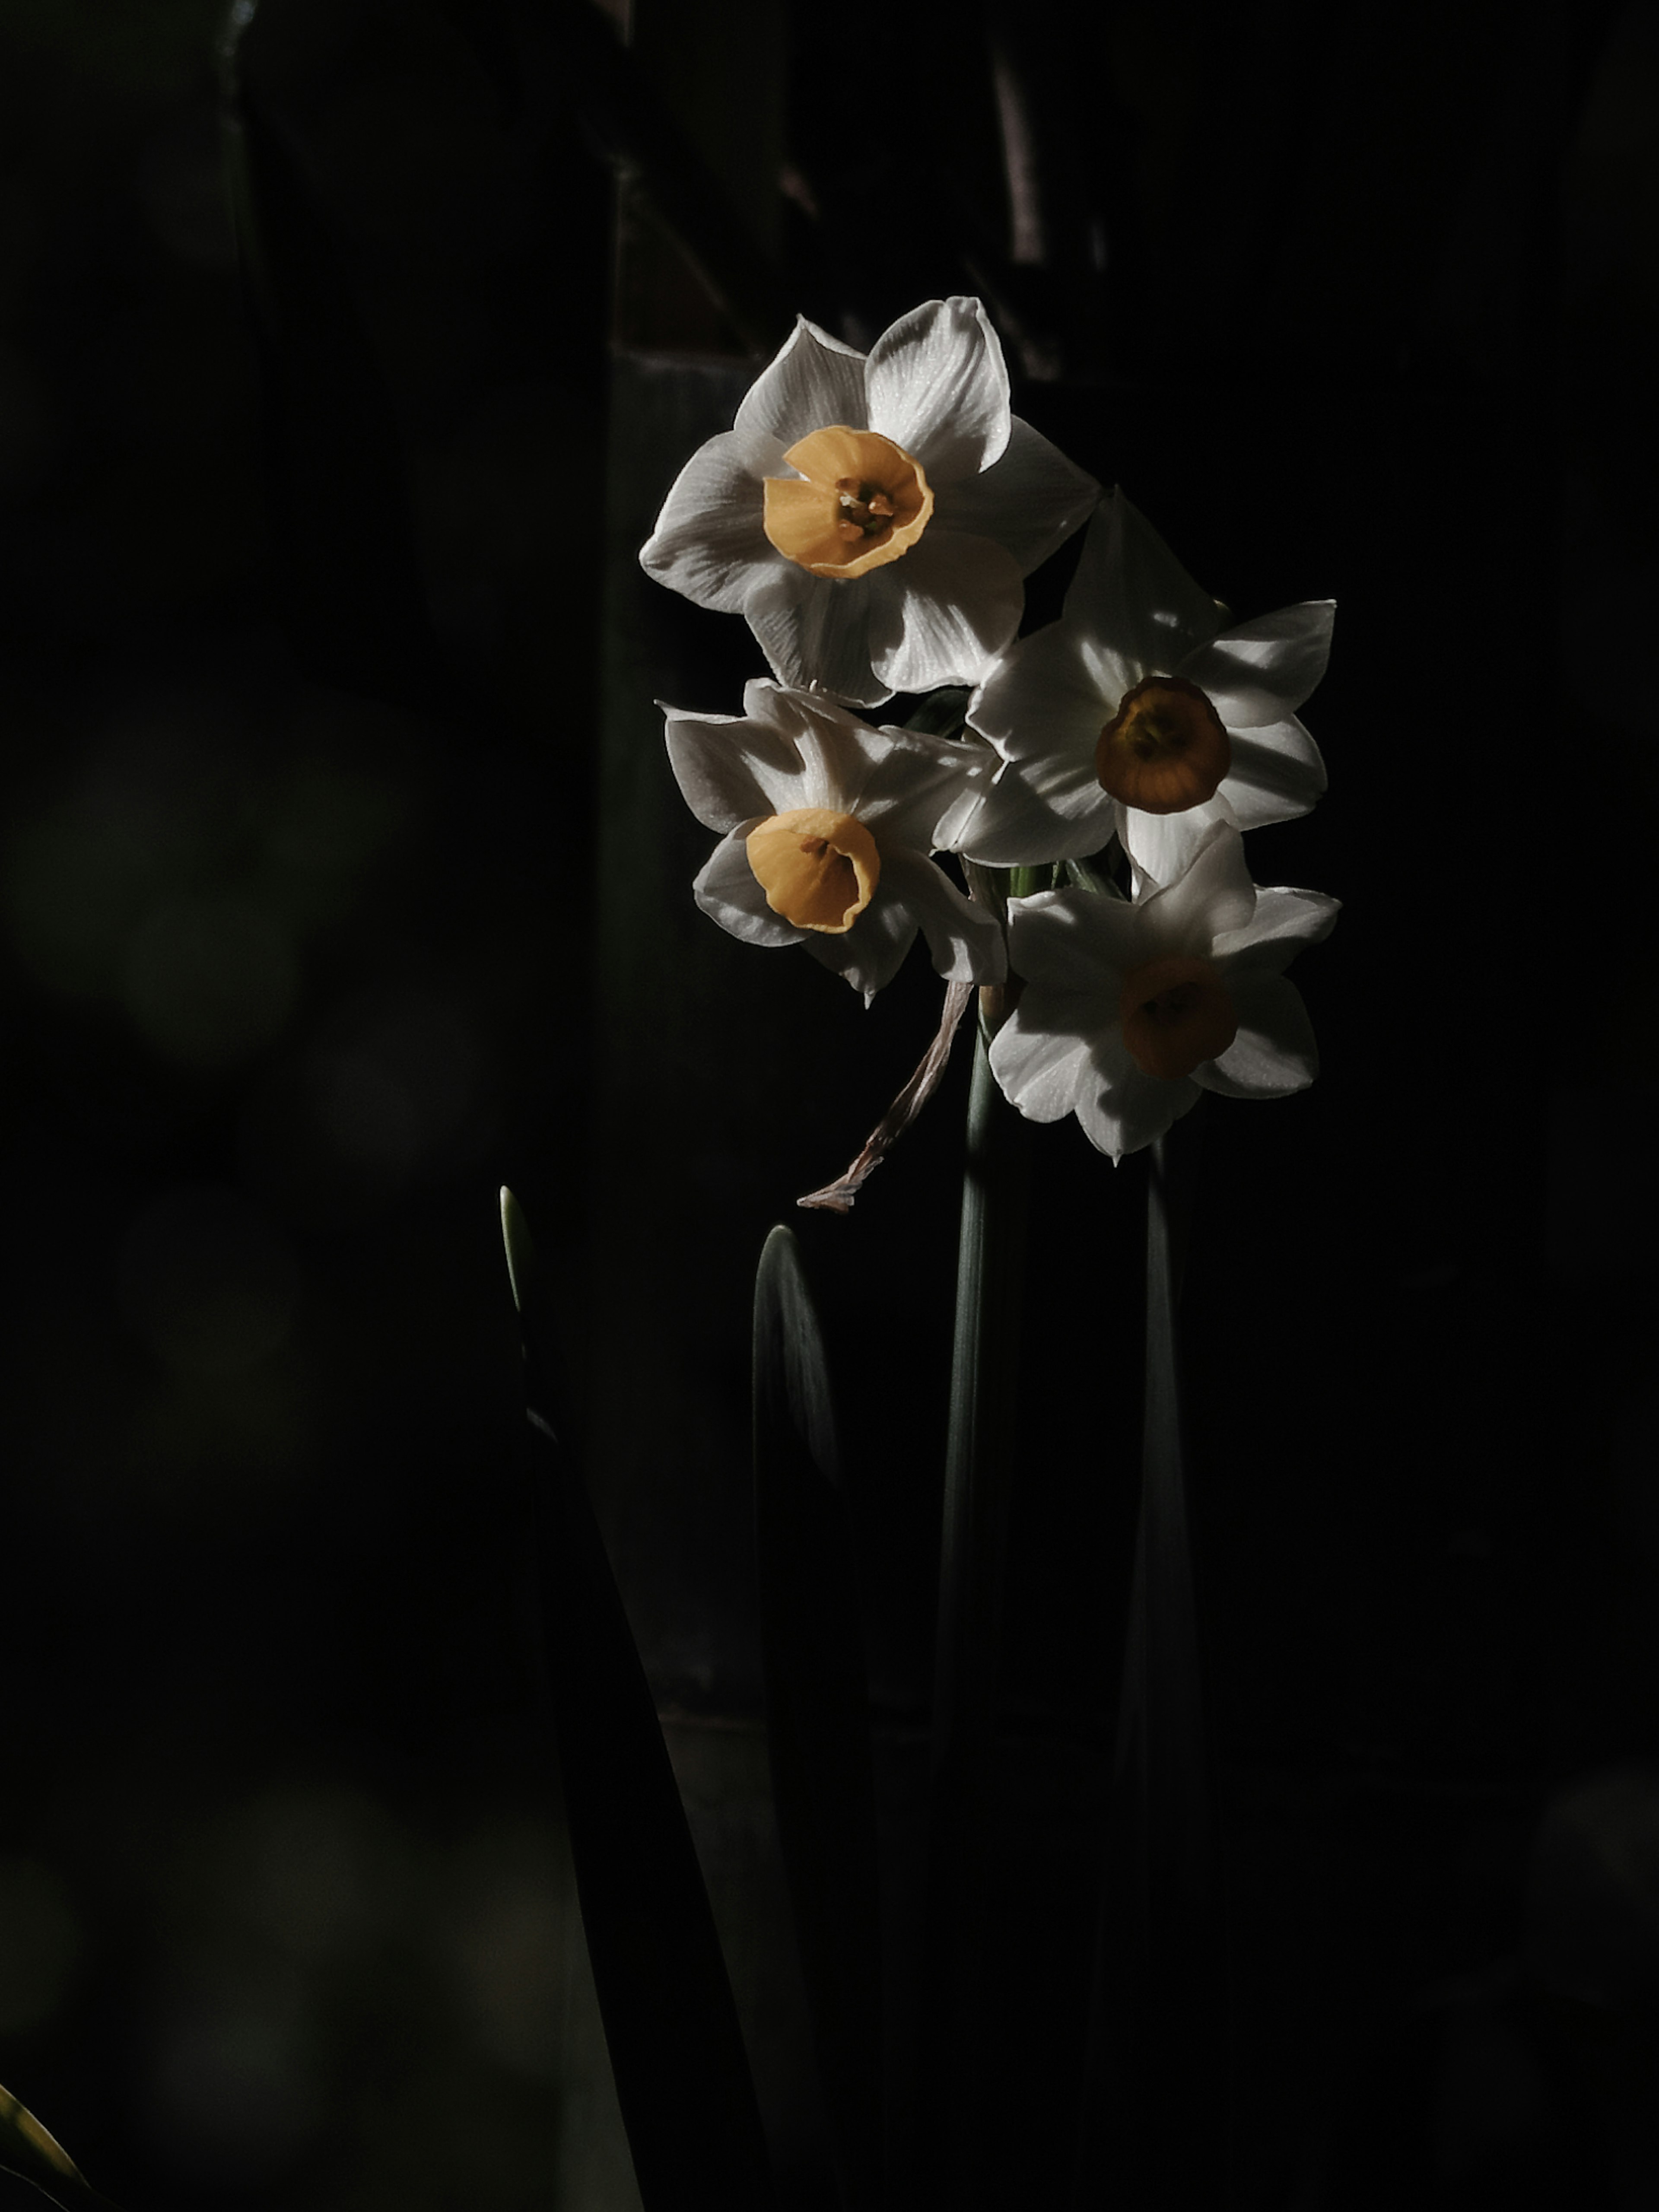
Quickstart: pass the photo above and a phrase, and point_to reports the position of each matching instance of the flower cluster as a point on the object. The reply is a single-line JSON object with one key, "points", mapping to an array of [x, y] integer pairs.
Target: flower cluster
{"points": [[873, 518]]}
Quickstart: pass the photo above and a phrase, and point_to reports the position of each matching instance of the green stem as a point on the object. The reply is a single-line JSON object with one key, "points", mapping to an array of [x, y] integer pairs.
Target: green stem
{"points": [[976, 1449]]}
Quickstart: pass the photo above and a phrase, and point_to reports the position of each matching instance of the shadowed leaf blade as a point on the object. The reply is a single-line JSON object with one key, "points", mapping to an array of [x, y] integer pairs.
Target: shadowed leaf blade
{"points": [[817, 1715], [30, 2153], [670, 2025], [1155, 2120]]}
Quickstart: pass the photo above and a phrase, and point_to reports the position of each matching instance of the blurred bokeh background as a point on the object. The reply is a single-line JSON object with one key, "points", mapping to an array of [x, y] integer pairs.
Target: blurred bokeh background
{"points": [[343, 880]]}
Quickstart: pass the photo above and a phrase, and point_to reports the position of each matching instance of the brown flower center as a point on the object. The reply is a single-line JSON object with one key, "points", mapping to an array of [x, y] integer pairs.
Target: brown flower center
{"points": [[818, 868], [859, 500], [1175, 1015], [1165, 749]]}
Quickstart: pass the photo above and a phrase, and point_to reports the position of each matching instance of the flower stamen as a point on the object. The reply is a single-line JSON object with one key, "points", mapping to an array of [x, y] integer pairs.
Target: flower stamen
{"points": [[866, 511], [818, 869], [1175, 1015], [859, 503], [1165, 750]]}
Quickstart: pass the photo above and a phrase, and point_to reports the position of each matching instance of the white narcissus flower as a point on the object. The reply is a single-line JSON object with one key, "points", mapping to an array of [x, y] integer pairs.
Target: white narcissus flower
{"points": [[1124, 1012], [827, 829], [874, 518], [1138, 712]]}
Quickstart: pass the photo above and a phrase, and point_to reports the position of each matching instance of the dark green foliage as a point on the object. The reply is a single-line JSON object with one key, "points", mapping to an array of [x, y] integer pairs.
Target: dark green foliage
{"points": [[30, 2155], [671, 2025], [1155, 2121], [956, 1998], [817, 1709]]}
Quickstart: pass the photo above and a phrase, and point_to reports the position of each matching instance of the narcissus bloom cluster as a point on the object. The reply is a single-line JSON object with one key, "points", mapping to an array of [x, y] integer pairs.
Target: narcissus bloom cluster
{"points": [[873, 518]]}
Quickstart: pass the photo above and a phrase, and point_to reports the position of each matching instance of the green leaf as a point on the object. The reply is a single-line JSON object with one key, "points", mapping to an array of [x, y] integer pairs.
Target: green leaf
{"points": [[818, 1714], [670, 2025], [29, 2152], [1090, 876], [942, 714], [1155, 2122]]}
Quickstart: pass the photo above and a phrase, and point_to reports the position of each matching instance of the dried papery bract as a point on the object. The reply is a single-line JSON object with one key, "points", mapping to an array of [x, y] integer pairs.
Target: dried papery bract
{"points": [[837, 1197]]}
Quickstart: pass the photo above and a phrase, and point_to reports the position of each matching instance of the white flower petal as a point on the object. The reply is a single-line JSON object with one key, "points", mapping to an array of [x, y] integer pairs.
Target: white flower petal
{"points": [[832, 750], [731, 771], [907, 787], [764, 699], [1017, 827], [1276, 773], [1031, 500], [1164, 846], [814, 382], [1132, 602], [1211, 897], [1040, 699], [920, 789], [1040, 706], [1077, 944], [1127, 1109], [1285, 921], [952, 828], [1262, 670], [964, 939], [727, 890], [710, 541], [938, 386], [869, 954], [816, 630], [1042, 1071], [942, 613], [1275, 1053]]}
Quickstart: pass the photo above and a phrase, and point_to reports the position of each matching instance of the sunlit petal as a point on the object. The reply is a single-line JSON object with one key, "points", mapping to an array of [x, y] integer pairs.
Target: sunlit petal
{"points": [[815, 379], [938, 387]]}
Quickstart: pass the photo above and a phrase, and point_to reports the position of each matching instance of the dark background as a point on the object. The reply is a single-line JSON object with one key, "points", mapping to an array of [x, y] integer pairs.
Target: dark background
{"points": [[344, 880]]}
